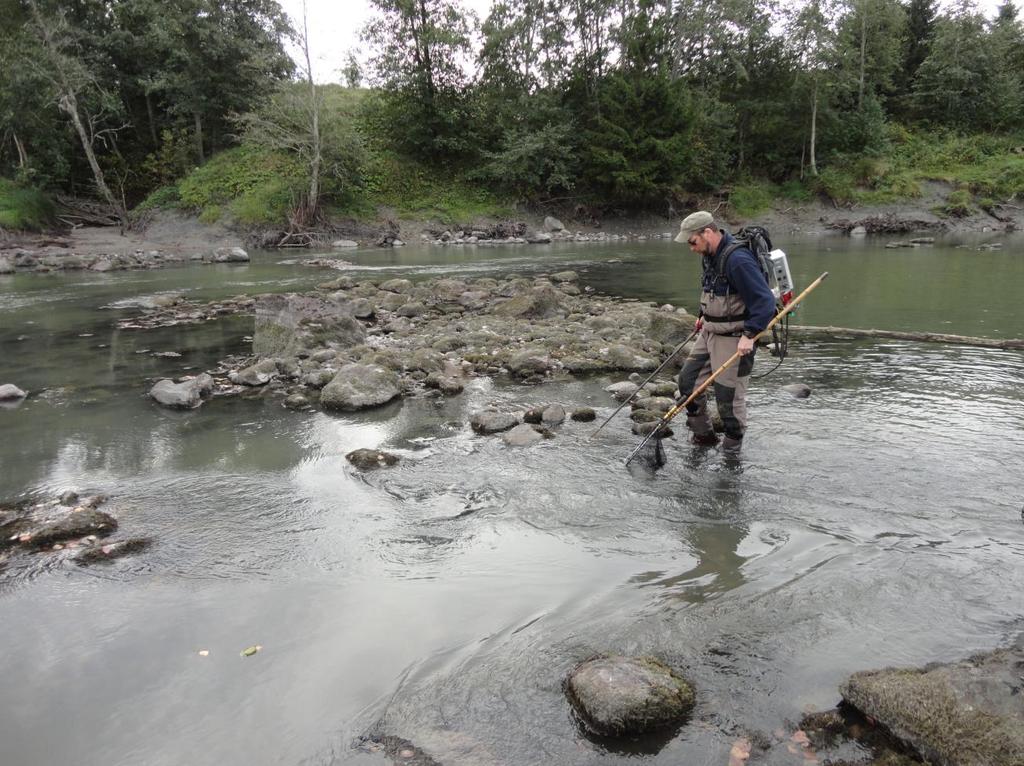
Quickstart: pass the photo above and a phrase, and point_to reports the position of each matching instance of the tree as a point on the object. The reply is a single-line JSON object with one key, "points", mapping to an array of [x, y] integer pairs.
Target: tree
{"points": [[77, 90], [639, 146], [223, 58], [352, 71], [951, 86], [870, 38], [1006, 42], [293, 121], [814, 36], [420, 46]]}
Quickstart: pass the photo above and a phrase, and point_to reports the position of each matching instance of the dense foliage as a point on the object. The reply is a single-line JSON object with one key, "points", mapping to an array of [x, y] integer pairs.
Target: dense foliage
{"points": [[623, 103]]}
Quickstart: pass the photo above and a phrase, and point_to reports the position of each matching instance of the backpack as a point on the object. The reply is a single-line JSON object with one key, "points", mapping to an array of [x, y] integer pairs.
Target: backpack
{"points": [[774, 267]]}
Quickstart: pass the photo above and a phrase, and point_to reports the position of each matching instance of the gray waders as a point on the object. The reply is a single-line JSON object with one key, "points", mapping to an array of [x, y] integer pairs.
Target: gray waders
{"points": [[709, 353]]}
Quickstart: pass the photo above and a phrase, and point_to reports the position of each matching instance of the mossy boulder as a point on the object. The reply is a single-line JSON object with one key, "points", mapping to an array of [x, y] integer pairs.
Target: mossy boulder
{"points": [[965, 713], [627, 696], [359, 386]]}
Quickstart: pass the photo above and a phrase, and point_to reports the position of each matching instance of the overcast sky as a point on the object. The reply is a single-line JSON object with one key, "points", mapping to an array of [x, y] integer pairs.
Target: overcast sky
{"points": [[334, 27]]}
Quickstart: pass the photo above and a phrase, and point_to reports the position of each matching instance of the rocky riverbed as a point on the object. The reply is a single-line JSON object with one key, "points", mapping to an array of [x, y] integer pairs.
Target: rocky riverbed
{"points": [[352, 345]]}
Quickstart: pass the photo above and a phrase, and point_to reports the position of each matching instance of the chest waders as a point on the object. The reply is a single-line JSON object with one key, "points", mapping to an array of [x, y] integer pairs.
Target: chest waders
{"points": [[654, 435]]}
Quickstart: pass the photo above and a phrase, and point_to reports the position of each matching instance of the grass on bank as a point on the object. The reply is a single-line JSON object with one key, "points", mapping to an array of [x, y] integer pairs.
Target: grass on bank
{"points": [[250, 186], [24, 208], [982, 169]]}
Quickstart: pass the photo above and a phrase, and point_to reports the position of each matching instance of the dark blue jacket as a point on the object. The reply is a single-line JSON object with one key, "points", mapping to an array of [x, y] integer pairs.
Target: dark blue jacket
{"points": [[743, 276]]}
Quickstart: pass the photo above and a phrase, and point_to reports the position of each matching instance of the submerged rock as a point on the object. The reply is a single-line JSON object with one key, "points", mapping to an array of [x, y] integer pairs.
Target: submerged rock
{"points": [[524, 435], [622, 696], [798, 390], [78, 523], [112, 550], [287, 324], [258, 374], [368, 459]]}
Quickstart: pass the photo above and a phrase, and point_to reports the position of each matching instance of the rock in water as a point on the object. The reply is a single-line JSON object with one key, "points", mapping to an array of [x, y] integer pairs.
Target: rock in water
{"points": [[358, 386], [9, 391], [368, 459], [798, 390], [491, 422], [182, 396], [965, 713], [522, 435], [102, 553], [87, 521], [622, 696]]}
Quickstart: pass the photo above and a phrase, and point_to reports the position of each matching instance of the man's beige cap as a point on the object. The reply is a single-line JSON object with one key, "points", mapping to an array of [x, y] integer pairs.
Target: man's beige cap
{"points": [[694, 222]]}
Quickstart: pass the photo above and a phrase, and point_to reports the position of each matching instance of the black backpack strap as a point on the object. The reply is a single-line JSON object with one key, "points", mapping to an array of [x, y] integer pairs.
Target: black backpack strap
{"points": [[722, 260]]}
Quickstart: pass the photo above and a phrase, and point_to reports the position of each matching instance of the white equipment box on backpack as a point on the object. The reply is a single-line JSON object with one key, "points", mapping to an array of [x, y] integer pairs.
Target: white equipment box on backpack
{"points": [[783, 287]]}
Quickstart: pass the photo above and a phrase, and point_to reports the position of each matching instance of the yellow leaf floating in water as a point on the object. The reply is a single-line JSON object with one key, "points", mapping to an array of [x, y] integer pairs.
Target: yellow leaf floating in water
{"points": [[251, 650]]}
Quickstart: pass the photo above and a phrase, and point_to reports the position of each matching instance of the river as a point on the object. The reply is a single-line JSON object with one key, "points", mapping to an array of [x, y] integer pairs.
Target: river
{"points": [[443, 601]]}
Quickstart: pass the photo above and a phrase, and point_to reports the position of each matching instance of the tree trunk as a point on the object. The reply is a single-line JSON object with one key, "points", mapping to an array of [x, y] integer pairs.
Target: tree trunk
{"points": [[863, 48], [22, 156], [152, 121], [814, 129], [69, 105], [314, 108], [199, 137]]}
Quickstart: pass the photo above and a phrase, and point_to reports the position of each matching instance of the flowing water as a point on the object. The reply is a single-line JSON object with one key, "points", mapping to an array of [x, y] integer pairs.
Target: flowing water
{"points": [[443, 601]]}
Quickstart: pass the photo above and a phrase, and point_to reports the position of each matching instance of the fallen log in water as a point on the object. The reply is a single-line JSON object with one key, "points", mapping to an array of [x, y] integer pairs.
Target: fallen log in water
{"points": [[923, 337]]}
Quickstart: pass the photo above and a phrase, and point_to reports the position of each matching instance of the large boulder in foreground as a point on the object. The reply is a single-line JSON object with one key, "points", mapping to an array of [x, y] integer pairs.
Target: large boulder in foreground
{"points": [[965, 713], [623, 696], [359, 386], [285, 324]]}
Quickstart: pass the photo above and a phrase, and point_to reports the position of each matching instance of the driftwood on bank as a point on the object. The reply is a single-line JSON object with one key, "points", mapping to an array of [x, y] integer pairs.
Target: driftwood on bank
{"points": [[75, 212], [886, 224], [923, 337]]}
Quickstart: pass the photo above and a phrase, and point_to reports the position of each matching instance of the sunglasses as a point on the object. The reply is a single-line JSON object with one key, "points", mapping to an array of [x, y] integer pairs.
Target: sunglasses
{"points": [[692, 241]]}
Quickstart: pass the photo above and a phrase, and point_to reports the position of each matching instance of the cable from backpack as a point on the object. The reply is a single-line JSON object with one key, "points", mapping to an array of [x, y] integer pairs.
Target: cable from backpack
{"points": [[780, 338]]}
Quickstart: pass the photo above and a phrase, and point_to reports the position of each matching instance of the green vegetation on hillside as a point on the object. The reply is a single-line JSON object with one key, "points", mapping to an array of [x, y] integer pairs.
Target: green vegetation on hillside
{"points": [[617, 105], [24, 208]]}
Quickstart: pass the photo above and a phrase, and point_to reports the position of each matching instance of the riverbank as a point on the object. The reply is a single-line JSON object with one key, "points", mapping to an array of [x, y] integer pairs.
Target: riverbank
{"points": [[171, 236]]}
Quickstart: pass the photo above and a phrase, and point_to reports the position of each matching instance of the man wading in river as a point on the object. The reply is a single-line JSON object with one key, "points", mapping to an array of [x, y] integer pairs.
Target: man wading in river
{"points": [[735, 305]]}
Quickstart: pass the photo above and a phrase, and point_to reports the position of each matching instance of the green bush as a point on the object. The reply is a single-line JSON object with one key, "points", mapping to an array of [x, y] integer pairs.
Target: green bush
{"points": [[837, 184], [796, 191], [958, 204], [412, 189], [751, 198], [24, 207], [161, 198], [264, 185]]}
